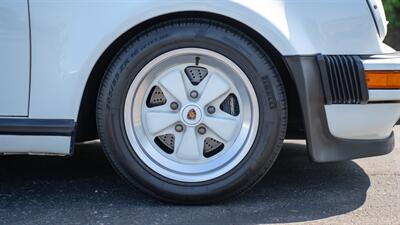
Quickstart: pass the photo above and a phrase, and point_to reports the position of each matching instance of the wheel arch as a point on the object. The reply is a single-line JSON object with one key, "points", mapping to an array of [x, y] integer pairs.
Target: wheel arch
{"points": [[86, 121]]}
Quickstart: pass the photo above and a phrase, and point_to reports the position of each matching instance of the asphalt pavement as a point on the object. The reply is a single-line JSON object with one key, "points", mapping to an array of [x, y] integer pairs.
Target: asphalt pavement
{"points": [[83, 189]]}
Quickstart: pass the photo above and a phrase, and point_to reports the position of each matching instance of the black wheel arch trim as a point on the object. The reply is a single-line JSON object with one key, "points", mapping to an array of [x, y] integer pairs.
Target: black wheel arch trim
{"points": [[322, 145]]}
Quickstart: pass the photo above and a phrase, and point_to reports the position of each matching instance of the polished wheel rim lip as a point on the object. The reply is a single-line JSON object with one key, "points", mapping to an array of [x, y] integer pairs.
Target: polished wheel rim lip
{"points": [[137, 130]]}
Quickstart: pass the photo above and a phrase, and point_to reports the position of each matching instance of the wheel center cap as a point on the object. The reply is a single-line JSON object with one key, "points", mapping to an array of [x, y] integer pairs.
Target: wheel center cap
{"points": [[191, 114]]}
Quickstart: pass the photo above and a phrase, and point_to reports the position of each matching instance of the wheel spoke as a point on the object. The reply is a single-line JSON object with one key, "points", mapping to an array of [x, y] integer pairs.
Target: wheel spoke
{"points": [[158, 121], [225, 128], [215, 87], [188, 147], [173, 83]]}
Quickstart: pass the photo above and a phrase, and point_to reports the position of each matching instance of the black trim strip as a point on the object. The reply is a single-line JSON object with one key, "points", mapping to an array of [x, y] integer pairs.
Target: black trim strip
{"points": [[384, 102], [46, 127]]}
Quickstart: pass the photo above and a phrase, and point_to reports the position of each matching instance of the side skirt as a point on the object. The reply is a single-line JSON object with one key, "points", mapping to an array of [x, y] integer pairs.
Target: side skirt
{"points": [[36, 136]]}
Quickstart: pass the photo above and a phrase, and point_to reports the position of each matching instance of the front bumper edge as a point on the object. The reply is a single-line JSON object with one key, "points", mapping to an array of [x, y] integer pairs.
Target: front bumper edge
{"points": [[322, 145]]}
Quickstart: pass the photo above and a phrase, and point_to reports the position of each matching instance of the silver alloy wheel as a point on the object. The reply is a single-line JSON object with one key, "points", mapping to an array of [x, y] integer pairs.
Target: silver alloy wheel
{"points": [[165, 81]]}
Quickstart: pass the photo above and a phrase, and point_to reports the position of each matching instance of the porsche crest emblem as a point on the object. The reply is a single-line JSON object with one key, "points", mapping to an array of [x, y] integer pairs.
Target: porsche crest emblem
{"points": [[191, 115]]}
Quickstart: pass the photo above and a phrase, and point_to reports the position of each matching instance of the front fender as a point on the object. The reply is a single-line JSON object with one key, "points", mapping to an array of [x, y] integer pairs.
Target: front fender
{"points": [[68, 37]]}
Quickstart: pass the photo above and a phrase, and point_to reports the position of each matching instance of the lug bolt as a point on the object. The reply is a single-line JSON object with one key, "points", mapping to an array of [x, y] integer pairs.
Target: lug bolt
{"points": [[174, 105], [211, 109], [194, 94], [179, 128], [201, 130]]}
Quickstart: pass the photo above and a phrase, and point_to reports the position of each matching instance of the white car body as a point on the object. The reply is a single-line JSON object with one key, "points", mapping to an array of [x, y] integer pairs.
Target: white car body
{"points": [[49, 49]]}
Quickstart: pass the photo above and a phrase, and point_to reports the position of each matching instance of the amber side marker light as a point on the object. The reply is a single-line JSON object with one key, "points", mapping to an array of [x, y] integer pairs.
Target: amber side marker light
{"points": [[383, 79]]}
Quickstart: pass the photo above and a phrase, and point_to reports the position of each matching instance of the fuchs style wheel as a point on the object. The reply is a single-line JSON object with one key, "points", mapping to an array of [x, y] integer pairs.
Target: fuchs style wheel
{"points": [[192, 111], [191, 115]]}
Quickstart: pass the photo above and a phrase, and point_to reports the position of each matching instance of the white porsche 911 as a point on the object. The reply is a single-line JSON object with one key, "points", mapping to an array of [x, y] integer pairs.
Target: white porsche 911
{"points": [[192, 99]]}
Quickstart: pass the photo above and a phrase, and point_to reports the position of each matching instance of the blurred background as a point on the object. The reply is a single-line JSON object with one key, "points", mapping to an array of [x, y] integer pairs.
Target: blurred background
{"points": [[392, 8]]}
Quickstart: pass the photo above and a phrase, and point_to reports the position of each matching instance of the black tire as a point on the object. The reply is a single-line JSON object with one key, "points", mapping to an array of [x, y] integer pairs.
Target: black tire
{"points": [[207, 34]]}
